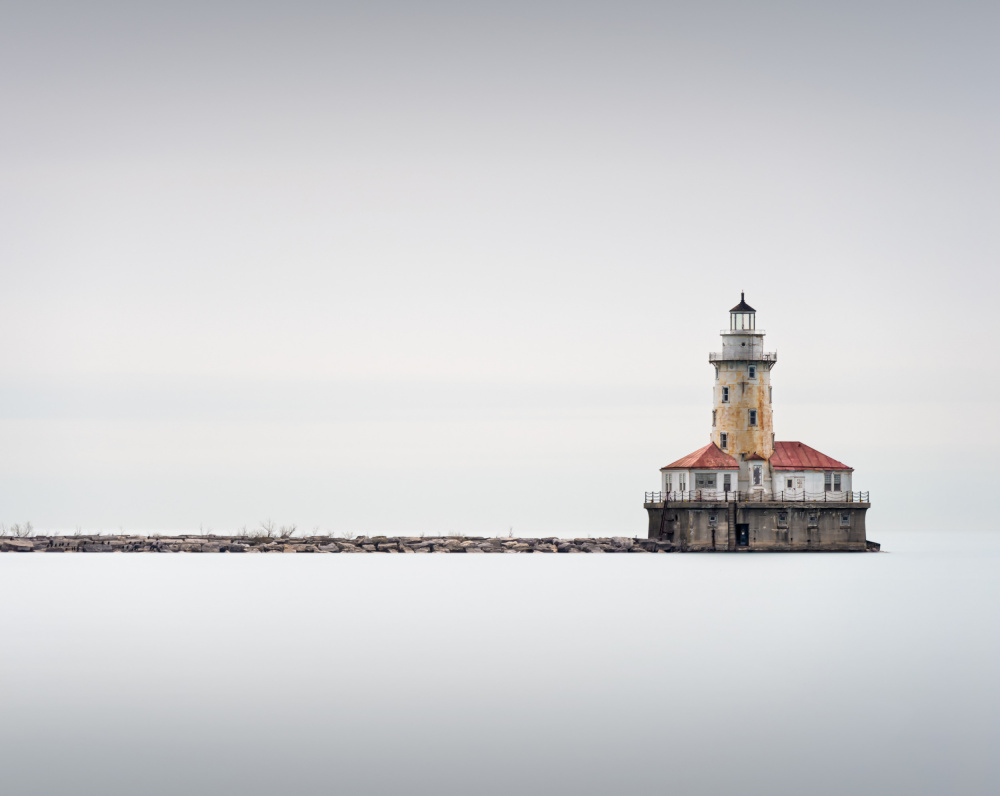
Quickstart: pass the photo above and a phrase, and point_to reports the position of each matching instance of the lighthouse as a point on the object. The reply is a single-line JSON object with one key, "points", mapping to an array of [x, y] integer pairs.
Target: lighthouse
{"points": [[743, 490], [742, 420]]}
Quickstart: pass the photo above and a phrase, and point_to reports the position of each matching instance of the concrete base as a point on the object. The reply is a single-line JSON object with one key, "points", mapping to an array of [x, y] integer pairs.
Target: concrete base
{"points": [[770, 526]]}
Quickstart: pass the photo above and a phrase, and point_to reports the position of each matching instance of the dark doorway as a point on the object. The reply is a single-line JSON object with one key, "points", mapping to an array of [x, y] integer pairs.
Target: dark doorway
{"points": [[743, 534]]}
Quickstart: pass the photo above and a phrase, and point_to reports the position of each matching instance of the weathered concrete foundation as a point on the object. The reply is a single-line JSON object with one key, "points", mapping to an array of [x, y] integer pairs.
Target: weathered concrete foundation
{"points": [[767, 526]]}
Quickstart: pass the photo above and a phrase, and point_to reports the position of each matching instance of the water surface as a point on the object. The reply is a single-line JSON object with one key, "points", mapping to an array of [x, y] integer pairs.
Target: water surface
{"points": [[625, 674]]}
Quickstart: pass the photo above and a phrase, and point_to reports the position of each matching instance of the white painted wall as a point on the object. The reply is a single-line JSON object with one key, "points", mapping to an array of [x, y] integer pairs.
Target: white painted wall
{"points": [[772, 481], [689, 480], [676, 477], [813, 480]]}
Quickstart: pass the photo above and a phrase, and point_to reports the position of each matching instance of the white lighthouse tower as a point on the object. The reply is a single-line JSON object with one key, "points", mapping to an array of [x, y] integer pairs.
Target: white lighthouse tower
{"points": [[742, 422]]}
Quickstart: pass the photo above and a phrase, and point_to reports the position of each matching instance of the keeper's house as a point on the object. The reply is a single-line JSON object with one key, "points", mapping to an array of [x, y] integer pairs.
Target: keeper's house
{"points": [[744, 490]]}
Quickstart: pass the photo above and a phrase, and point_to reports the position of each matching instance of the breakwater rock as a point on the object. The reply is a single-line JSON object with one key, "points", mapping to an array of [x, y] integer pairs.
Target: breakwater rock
{"points": [[325, 544]]}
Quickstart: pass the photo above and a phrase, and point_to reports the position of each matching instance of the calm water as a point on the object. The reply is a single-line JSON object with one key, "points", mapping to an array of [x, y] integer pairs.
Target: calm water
{"points": [[770, 674]]}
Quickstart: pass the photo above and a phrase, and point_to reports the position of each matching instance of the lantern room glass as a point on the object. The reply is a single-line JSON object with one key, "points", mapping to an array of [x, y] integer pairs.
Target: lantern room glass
{"points": [[742, 320]]}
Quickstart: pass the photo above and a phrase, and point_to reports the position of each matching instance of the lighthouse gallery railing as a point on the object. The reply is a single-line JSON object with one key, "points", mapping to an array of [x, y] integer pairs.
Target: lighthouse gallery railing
{"points": [[749, 355], [756, 496]]}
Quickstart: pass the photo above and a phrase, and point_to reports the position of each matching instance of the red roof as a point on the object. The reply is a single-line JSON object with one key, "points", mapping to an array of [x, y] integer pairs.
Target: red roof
{"points": [[708, 458], [796, 456]]}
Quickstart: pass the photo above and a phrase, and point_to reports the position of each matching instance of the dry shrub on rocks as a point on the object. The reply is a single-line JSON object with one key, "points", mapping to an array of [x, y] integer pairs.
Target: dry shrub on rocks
{"points": [[18, 531]]}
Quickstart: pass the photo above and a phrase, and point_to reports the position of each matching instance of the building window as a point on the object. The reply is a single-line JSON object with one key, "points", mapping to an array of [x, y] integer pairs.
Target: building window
{"points": [[668, 482], [845, 520], [788, 483], [727, 482], [753, 417], [782, 519], [704, 480], [725, 395], [757, 472], [836, 482], [682, 482], [713, 520], [753, 371], [713, 418], [812, 519], [827, 482], [723, 440]]}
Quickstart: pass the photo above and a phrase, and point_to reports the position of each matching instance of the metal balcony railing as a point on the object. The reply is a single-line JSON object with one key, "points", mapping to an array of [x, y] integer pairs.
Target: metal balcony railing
{"points": [[756, 496], [766, 356]]}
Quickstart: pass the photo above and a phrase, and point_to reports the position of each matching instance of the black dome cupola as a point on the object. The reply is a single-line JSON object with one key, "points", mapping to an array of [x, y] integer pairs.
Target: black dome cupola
{"points": [[742, 316]]}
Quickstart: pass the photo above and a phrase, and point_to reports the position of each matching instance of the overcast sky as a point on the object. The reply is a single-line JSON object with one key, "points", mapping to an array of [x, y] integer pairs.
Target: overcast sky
{"points": [[450, 266]]}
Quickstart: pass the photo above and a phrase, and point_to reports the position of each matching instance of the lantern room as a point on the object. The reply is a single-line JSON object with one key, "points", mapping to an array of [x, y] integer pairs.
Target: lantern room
{"points": [[742, 316]]}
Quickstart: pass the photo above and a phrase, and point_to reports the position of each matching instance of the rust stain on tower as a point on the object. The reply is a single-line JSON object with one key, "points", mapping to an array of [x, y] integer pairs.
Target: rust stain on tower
{"points": [[744, 424]]}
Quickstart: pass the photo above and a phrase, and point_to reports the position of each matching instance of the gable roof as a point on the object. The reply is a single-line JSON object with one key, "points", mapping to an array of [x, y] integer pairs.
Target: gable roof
{"points": [[708, 458], [796, 456]]}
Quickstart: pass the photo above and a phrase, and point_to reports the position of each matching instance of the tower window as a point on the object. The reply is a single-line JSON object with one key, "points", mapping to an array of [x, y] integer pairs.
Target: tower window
{"points": [[770, 395], [753, 371], [725, 395], [723, 440], [713, 418], [753, 417]]}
